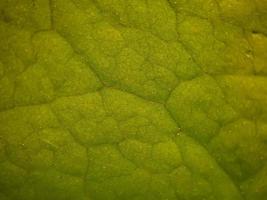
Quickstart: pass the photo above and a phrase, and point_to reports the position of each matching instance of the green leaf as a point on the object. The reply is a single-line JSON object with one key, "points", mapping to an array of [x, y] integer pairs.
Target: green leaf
{"points": [[133, 99]]}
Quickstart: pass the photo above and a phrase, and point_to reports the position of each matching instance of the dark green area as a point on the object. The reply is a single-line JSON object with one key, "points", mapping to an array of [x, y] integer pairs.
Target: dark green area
{"points": [[133, 99]]}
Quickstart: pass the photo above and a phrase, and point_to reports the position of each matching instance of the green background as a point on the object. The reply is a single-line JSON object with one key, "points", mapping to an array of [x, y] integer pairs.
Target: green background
{"points": [[133, 99]]}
